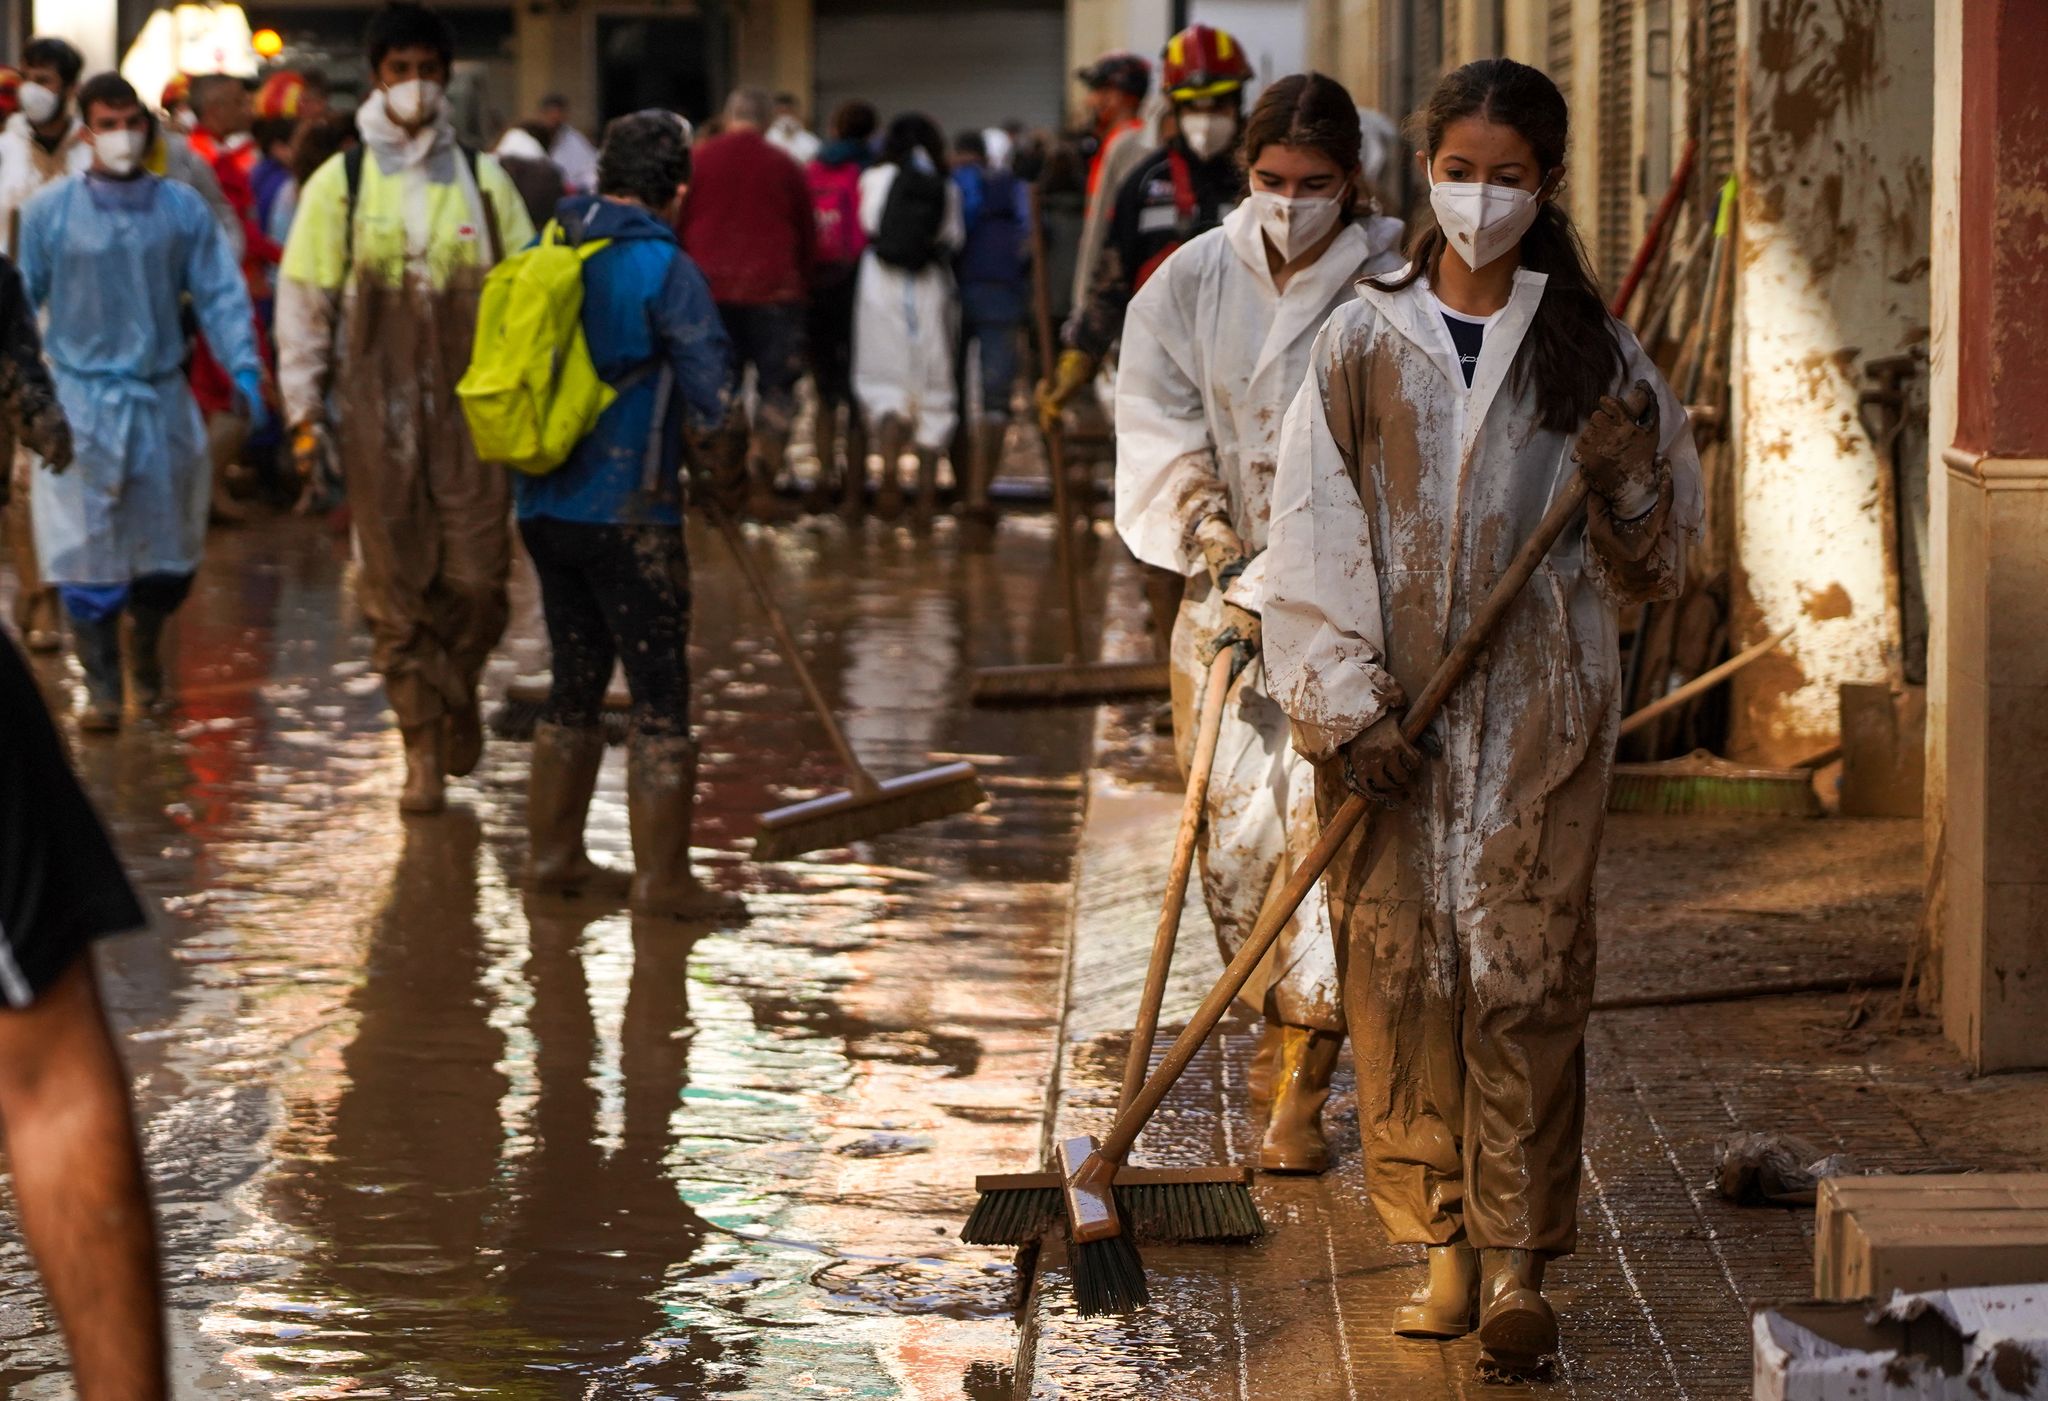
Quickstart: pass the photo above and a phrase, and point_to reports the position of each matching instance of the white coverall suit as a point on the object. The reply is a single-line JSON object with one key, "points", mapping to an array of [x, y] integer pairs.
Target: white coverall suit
{"points": [[1212, 355], [1401, 498]]}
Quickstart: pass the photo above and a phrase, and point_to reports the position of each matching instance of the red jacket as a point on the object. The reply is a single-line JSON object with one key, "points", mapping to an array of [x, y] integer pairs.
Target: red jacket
{"points": [[747, 221]]}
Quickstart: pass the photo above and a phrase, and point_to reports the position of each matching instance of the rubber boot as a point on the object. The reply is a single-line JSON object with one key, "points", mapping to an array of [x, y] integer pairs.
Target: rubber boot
{"points": [[1517, 1326], [463, 746], [99, 656], [853, 500], [1447, 1304], [558, 789], [146, 658], [1301, 1084], [984, 460], [824, 487], [927, 485], [1265, 1064], [425, 788], [661, 799], [225, 435], [892, 435]]}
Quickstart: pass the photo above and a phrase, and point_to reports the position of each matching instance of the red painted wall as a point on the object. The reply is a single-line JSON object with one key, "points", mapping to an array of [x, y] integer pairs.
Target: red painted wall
{"points": [[2001, 362]]}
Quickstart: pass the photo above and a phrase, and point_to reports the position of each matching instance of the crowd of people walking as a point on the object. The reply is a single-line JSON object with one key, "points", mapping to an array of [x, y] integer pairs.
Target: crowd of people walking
{"points": [[1327, 445]]}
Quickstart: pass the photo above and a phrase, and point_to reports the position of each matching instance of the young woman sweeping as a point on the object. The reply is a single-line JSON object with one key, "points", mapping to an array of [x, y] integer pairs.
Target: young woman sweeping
{"points": [[1442, 413], [1214, 347]]}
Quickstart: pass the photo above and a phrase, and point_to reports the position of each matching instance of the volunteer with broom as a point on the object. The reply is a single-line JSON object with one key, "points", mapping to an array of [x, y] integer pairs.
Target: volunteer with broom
{"points": [[1443, 412], [605, 530], [1214, 347]]}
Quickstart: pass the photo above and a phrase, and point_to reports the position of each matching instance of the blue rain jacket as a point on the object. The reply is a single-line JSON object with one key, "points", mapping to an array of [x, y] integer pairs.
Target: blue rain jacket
{"points": [[656, 337], [109, 260]]}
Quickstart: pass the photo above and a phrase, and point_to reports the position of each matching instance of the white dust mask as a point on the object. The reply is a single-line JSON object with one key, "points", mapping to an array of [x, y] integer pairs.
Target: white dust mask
{"points": [[1481, 220], [119, 151], [188, 120], [1208, 134], [414, 102], [38, 103], [1294, 225]]}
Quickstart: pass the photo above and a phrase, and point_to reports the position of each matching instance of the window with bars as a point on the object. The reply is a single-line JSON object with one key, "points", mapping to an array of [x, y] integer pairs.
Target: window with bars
{"points": [[1617, 136]]}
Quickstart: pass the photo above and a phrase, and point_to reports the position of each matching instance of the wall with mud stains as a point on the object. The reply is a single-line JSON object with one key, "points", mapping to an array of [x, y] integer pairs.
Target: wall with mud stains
{"points": [[1835, 121]]}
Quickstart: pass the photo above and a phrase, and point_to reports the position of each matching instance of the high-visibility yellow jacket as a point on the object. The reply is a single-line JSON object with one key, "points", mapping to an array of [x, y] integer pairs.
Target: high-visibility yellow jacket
{"points": [[418, 225]]}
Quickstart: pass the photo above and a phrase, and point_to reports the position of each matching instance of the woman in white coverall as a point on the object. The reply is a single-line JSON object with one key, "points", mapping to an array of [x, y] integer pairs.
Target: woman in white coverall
{"points": [[1214, 347], [1442, 413]]}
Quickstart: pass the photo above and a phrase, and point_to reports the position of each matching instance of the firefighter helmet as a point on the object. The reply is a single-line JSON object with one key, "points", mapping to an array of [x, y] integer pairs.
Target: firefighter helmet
{"points": [[1202, 62], [10, 91], [278, 98]]}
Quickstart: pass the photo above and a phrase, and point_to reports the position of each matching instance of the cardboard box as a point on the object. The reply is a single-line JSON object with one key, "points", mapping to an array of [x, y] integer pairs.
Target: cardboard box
{"points": [[1954, 1345], [1874, 1235]]}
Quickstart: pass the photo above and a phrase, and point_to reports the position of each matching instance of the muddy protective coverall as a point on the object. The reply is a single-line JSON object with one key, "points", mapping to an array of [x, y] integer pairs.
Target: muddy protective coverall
{"points": [[381, 315], [1212, 356], [905, 325], [110, 261], [1401, 497]]}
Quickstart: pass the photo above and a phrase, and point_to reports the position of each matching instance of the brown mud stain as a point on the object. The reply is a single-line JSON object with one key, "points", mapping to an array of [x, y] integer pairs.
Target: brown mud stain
{"points": [[1822, 605]]}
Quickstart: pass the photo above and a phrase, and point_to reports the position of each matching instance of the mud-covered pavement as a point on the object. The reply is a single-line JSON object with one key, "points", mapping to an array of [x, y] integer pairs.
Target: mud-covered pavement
{"points": [[411, 1137]]}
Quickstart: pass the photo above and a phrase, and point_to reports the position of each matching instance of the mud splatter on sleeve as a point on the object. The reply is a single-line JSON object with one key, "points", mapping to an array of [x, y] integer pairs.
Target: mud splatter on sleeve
{"points": [[309, 293], [1324, 634], [1643, 561], [1167, 481], [25, 388], [694, 339]]}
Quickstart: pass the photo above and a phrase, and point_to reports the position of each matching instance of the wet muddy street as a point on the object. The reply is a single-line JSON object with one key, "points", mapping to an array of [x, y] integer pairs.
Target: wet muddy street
{"points": [[413, 1137]]}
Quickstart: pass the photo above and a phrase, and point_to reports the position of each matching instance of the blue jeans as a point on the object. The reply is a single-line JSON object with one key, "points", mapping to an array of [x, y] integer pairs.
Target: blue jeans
{"points": [[992, 316]]}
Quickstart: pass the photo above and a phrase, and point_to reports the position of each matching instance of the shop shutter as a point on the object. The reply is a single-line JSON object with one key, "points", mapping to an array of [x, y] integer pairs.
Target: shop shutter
{"points": [[1617, 136], [965, 66], [1557, 59], [1718, 149]]}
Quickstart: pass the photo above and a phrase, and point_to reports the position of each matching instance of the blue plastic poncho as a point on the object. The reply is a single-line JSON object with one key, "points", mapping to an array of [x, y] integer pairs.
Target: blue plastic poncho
{"points": [[109, 261]]}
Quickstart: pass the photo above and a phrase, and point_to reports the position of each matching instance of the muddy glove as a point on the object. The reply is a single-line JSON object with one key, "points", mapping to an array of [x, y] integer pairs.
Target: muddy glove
{"points": [[715, 475], [1222, 550], [306, 449], [1075, 368], [46, 433], [1380, 764], [1618, 454], [1240, 630]]}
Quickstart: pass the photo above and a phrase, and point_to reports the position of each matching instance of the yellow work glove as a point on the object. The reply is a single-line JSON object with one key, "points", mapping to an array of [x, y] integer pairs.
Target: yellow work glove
{"points": [[306, 448], [1075, 368], [1222, 550]]}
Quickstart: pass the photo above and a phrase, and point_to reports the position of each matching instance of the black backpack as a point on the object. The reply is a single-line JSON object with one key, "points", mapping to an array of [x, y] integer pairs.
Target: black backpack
{"points": [[911, 219]]}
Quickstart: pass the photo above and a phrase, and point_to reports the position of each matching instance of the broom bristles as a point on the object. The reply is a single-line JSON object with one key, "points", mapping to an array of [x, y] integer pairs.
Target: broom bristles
{"points": [[1072, 683], [1674, 795], [1108, 1276], [842, 818], [1163, 1206], [514, 717]]}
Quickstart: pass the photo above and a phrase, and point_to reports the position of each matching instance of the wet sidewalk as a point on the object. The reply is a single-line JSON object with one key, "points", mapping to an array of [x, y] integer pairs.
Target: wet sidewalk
{"points": [[1696, 913]]}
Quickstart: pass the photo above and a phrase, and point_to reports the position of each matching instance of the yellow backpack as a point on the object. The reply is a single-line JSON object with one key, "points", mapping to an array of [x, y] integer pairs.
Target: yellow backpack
{"points": [[531, 392]]}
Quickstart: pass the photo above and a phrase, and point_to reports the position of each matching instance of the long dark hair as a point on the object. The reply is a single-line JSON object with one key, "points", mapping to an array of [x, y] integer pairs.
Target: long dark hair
{"points": [[1571, 354], [914, 131], [1306, 110]]}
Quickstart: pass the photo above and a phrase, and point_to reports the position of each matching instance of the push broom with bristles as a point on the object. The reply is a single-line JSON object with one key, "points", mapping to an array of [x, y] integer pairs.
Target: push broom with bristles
{"points": [[1108, 1275], [1070, 681], [872, 806], [1161, 1204], [518, 711]]}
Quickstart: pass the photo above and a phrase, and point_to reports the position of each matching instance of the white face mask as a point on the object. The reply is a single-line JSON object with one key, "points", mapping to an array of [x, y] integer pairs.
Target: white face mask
{"points": [[1208, 134], [414, 102], [188, 120], [38, 103], [1294, 225], [119, 151], [237, 140], [1482, 221]]}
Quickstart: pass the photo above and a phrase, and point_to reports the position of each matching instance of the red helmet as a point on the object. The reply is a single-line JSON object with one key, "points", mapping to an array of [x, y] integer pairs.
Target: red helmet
{"points": [[10, 91], [177, 92], [1203, 62], [279, 96]]}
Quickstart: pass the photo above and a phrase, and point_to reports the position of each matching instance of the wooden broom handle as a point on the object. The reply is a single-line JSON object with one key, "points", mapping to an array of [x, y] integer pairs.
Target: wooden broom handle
{"points": [[1055, 439], [1131, 1121], [863, 782], [1139, 1059]]}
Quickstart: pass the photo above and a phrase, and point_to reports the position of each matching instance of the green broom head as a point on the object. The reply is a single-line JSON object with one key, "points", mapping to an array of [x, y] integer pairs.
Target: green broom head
{"points": [[1163, 1205], [1704, 783], [843, 818], [1108, 1276]]}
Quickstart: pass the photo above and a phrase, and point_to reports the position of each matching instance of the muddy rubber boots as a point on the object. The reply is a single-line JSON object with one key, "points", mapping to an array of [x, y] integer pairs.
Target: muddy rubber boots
{"points": [[146, 657], [99, 657], [426, 786], [984, 460], [661, 796], [1447, 1305], [1517, 1326], [767, 450], [1301, 1086], [558, 789], [853, 494]]}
